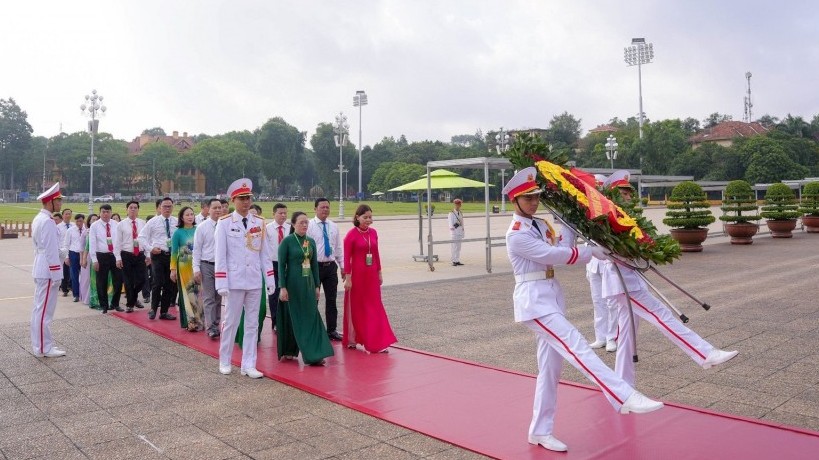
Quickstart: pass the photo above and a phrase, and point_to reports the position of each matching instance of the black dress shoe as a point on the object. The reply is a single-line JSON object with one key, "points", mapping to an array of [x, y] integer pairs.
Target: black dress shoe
{"points": [[129, 310], [458, 263], [139, 304], [454, 264], [65, 294], [152, 314], [76, 299], [167, 316], [334, 336], [118, 308], [104, 311]]}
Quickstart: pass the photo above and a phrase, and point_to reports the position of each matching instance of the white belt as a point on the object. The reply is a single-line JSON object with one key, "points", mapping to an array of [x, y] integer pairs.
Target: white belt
{"points": [[536, 276]]}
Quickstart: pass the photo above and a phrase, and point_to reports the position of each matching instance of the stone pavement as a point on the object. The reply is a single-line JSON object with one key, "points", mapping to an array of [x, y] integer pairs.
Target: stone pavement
{"points": [[125, 393]]}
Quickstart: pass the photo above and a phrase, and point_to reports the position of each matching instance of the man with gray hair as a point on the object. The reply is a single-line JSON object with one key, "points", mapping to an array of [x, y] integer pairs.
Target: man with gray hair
{"points": [[204, 266]]}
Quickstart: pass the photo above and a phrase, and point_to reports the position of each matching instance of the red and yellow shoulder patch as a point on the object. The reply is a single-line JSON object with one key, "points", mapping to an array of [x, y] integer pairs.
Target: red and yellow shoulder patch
{"points": [[516, 226]]}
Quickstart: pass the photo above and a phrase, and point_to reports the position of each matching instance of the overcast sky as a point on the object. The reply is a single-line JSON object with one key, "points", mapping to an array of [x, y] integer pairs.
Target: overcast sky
{"points": [[431, 69]]}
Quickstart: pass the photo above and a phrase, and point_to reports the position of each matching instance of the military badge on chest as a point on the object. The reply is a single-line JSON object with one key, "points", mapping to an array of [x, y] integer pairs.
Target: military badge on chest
{"points": [[254, 238]]}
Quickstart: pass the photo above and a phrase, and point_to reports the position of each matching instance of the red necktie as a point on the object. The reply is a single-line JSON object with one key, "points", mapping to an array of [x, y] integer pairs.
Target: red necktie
{"points": [[134, 234], [108, 237], [281, 234]]}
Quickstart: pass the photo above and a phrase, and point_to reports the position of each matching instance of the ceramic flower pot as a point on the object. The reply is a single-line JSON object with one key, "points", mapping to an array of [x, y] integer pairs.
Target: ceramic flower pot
{"points": [[690, 239], [741, 232]]}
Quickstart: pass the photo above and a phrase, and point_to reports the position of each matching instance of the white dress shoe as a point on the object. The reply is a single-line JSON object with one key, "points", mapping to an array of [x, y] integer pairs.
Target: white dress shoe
{"points": [[224, 369], [597, 344], [548, 441], [639, 404], [718, 357], [252, 373], [611, 346], [53, 353]]}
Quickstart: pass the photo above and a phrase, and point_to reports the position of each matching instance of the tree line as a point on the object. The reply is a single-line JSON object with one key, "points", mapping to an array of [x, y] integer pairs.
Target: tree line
{"points": [[281, 160]]}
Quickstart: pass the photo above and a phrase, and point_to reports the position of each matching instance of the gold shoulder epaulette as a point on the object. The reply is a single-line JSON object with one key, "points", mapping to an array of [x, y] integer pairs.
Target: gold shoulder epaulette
{"points": [[225, 217]]}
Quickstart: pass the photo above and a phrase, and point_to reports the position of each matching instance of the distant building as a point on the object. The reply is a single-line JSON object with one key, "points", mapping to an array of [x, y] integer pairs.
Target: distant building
{"points": [[725, 132], [192, 180], [603, 129]]}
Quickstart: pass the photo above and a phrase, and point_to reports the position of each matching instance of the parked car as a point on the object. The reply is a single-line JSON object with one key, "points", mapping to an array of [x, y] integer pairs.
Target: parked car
{"points": [[104, 199]]}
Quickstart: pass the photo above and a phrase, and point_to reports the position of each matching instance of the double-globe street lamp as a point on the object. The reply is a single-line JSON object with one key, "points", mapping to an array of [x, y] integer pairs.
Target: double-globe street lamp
{"points": [[92, 107], [359, 100], [341, 128], [501, 146], [639, 53], [611, 149]]}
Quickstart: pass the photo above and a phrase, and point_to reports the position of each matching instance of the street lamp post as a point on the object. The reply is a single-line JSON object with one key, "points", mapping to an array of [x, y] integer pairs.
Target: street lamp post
{"points": [[639, 53], [341, 128], [611, 149], [359, 100], [501, 146], [92, 107]]}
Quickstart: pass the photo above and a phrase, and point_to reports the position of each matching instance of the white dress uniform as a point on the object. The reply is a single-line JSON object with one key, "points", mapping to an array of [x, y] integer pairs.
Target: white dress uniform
{"points": [[605, 310], [47, 272], [649, 308], [534, 249], [455, 219], [241, 255]]}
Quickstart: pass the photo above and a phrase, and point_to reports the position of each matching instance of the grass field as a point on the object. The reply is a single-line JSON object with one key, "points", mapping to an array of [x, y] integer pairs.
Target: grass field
{"points": [[24, 212]]}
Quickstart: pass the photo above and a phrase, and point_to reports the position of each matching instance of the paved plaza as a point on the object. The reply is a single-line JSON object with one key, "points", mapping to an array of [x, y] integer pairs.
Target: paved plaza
{"points": [[122, 392]]}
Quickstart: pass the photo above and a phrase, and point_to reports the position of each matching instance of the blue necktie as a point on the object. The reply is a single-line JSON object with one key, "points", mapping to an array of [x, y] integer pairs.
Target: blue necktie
{"points": [[327, 250]]}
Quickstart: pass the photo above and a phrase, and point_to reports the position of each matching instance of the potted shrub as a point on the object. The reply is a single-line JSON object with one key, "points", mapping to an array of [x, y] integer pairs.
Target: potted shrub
{"points": [[688, 215], [781, 210], [740, 212], [810, 207]]}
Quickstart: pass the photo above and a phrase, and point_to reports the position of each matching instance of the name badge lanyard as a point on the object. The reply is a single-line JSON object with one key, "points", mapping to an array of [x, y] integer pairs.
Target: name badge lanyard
{"points": [[305, 249], [368, 260]]}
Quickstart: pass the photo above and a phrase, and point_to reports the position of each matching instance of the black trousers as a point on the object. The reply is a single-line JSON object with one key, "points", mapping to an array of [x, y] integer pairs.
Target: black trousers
{"points": [[108, 264], [163, 289], [133, 274], [65, 284], [328, 277], [273, 299], [147, 281]]}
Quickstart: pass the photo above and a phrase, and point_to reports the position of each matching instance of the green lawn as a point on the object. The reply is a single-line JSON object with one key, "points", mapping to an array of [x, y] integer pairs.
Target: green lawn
{"points": [[27, 211]]}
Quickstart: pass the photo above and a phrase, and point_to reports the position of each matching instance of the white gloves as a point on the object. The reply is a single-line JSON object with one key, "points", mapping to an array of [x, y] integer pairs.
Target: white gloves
{"points": [[223, 292], [599, 252]]}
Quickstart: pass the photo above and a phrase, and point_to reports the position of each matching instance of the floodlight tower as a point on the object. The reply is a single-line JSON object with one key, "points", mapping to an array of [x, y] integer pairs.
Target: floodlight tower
{"points": [[639, 53]]}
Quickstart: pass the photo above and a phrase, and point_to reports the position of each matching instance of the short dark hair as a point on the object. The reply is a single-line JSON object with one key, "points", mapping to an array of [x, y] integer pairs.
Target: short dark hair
{"points": [[206, 202], [158, 202], [278, 206], [224, 201], [257, 208], [319, 200], [57, 214], [132, 202], [210, 201], [167, 198], [106, 207], [66, 210], [79, 216], [179, 222], [361, 209]]}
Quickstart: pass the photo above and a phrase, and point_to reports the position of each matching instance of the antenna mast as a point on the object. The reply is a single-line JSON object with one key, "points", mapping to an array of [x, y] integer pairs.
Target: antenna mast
{"points": [[748, 116]]}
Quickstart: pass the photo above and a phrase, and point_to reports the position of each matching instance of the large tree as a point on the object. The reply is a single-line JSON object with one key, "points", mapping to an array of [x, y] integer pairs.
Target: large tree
{"points": [[15, 137], [326, 155], [564, 131], [281, 148], [157, 131], [224, 161]]}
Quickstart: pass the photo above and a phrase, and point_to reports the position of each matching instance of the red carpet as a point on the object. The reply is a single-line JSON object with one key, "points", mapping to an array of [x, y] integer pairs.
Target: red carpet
{"points": [[487, 410]]}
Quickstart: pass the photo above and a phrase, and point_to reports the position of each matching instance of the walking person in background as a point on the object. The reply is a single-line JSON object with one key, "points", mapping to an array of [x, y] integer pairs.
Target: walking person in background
{"points": [[204, 246], [85, 267], [105, 260], [47, 272], [63, 226], [330, 260], [365, 320], [276, 232], [132, 254], [204, 212], [456, 231], [191, 315], [156, 237], [298, 321], [74, 243]]}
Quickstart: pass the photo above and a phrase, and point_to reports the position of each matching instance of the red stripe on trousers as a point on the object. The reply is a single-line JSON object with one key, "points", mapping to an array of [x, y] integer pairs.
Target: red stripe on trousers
{"points": [[599, 382], [42, 318], [665, 326]]}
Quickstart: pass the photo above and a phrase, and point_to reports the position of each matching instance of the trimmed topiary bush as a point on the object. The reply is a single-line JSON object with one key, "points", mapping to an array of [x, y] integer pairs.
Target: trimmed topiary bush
{"points": [[688, 207], [739, 204], [810, 200], [780, 203]]}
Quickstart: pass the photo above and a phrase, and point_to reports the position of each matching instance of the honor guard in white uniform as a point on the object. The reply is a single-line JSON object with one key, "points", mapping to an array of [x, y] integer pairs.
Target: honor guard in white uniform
{"points": [[646, 306], [242, 256], [47, 273], [605, 311], [455, 219], [534, 249]]}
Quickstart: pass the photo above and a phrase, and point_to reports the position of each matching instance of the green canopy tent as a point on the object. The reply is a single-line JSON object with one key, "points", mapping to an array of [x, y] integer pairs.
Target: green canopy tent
{"points": [[439, 179]]}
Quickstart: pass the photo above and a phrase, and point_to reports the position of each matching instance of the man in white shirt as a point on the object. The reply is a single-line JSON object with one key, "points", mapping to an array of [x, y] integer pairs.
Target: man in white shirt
{"points": [[46, 272], [156, 237], [203, 211], [329, 251], [132, 254], [63, 227], [102, 241], [204, 245], [276, 231], [74, 243], [455, 219]]}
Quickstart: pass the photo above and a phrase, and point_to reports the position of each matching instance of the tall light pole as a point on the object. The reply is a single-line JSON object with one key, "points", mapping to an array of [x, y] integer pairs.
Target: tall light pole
{"points": [[341, 128], [501, 146], [92, 107], [359, 100], [639, 53], [611, 149]]}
